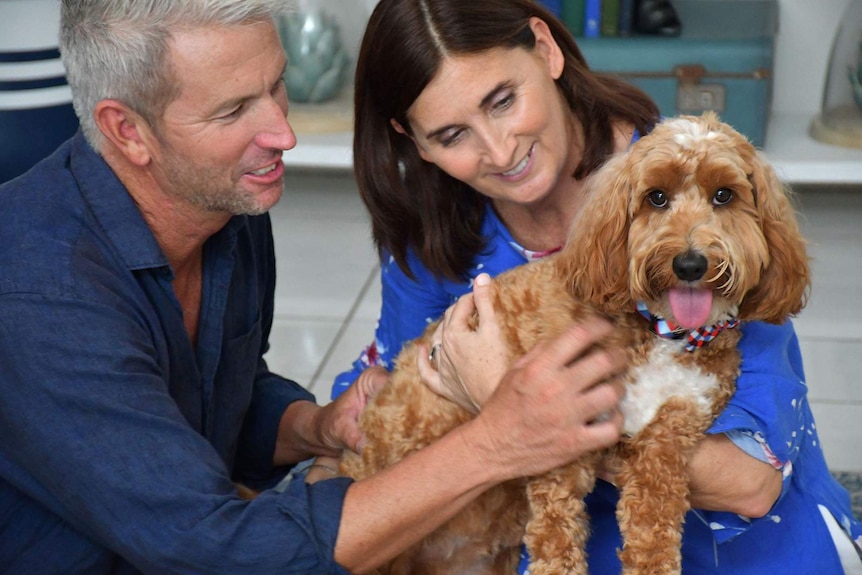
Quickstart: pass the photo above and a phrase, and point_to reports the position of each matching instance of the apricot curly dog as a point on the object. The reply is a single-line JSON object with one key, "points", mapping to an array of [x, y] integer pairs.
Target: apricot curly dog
{"points": [[689, 228]]}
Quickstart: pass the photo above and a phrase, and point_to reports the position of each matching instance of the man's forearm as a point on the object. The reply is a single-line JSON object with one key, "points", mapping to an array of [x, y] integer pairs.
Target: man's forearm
{"points": [[298, 438], [388, 512]]}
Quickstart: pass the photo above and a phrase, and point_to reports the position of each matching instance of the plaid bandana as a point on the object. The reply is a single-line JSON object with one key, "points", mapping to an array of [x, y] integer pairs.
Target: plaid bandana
{"points": [[697, 338]]}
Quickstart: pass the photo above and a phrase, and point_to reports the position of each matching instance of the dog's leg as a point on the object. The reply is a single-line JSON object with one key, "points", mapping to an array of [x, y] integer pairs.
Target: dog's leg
{"points": [[654, 491], [559, 527]]}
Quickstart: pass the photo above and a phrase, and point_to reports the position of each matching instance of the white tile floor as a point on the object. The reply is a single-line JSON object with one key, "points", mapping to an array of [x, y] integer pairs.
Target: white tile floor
{"points": [[328, 297]]}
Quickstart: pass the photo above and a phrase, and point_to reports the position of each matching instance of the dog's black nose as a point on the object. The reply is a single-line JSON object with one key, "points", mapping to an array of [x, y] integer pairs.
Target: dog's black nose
{"points": [[689, 266]]}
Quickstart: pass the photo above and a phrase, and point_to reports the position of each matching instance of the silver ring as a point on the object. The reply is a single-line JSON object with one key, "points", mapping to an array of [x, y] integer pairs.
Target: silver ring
{"points": [[432, 357]]}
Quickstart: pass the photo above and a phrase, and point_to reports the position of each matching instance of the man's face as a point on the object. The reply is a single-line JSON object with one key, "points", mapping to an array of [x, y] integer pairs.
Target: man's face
{"points": [[220, 141]]}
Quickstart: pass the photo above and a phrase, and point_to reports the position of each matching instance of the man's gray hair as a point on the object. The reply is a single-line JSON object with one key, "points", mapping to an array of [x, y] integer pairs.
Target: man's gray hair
{"points": [[118, 49]]}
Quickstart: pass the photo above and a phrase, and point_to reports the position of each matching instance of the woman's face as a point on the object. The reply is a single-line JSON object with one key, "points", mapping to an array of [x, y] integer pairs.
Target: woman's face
{"points": [[497, 121]]}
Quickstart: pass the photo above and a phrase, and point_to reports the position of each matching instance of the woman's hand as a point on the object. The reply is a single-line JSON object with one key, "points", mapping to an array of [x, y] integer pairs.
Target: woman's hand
{"points": [[464, 364]]}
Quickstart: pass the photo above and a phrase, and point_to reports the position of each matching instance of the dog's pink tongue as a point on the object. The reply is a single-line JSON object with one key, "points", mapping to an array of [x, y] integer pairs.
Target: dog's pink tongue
{"points": [[690, 306]]}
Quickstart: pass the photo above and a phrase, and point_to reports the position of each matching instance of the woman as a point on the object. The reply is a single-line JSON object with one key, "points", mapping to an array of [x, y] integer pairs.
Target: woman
{"points": [[476, 124]]}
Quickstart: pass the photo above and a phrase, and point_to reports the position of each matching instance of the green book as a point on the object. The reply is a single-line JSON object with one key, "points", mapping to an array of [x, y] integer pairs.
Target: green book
{"points": [[610, 24], [573, 16]]}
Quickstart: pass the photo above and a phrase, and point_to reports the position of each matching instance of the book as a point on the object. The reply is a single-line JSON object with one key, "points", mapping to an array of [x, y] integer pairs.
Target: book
{"points": [[592, 18], [610, 22], [627, 17], [553, 6], [573, 16]]}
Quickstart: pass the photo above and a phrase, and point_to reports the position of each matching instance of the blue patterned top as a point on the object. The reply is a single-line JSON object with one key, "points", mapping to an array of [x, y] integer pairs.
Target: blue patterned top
{"points": [[769, 417]]}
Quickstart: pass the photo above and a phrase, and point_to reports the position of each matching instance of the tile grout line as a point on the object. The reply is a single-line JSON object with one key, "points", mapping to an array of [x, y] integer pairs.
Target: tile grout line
{"points": [[375, 270]]}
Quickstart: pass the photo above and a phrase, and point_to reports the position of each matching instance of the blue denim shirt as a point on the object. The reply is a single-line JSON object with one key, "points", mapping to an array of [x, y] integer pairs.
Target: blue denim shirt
{"points": [[119, 439]]}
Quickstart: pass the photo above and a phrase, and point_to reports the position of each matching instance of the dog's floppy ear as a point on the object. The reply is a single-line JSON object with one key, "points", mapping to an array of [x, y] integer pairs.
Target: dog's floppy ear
{"points": [[785, 281], [595, 259]]}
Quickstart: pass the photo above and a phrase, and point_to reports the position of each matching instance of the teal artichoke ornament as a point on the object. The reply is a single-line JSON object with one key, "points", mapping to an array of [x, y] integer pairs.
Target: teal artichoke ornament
{"points": [[317, 63]]}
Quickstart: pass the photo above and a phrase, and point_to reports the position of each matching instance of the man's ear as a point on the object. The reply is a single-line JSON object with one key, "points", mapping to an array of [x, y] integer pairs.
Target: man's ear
{"points": [[125, 129]]}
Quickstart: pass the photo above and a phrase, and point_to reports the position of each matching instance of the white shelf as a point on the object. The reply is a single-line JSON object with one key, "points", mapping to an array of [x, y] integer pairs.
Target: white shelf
{"points": [[800, 159], [797, 158], [316, 151]]}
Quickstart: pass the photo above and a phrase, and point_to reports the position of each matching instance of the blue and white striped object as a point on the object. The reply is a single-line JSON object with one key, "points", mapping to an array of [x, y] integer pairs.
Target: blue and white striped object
{"points": [[36, 112]]}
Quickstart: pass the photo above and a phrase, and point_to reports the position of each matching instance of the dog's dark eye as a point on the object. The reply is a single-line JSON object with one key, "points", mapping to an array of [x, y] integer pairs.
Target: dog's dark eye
{"points": [[657, 198], [722, 196]]}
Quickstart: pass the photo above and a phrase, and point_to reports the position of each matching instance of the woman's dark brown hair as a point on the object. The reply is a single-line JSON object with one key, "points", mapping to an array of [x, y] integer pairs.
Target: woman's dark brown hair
{"points": [[414, 204]]}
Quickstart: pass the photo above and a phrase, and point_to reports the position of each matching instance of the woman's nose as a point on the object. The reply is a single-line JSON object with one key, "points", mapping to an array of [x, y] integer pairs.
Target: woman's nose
{"points": [[499, 146]]}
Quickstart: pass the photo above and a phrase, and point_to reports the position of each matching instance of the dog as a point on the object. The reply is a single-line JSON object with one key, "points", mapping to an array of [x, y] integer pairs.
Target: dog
{"points": [[688, 228]]}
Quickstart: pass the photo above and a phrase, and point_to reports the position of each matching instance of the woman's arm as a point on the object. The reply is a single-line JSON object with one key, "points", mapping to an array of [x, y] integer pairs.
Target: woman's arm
{"points": [[744, 472], [723, 477]]}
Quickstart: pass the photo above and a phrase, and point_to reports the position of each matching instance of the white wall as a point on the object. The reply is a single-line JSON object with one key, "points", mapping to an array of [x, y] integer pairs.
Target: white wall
{"points": [[806, 31], [29, 25]]}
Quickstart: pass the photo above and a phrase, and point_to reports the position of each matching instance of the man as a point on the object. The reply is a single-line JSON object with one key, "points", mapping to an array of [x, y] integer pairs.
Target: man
{"points": [[136, 299]]}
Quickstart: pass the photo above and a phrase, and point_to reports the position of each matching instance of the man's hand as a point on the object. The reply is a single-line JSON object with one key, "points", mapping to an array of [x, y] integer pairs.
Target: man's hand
{"points": [[556, 403], [308, 429]]}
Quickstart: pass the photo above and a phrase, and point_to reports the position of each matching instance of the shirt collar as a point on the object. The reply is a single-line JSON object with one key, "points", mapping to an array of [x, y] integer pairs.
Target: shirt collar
{"points": [[116, 211]]}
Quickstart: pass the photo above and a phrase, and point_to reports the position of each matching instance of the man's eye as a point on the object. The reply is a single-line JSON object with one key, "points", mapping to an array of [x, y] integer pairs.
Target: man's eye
{"points": [[231, 114]]}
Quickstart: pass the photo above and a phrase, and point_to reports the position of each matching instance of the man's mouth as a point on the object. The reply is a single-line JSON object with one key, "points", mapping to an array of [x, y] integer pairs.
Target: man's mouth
{"points": [[264, 171]]}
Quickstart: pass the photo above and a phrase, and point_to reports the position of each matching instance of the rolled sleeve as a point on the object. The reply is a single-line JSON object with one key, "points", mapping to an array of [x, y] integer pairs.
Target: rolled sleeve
{"points": [[316, 509], [766, 414]]}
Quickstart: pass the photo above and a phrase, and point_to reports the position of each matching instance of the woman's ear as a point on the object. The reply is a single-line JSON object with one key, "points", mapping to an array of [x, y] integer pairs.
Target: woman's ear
{"points": [[547, 46], [396, 125]]}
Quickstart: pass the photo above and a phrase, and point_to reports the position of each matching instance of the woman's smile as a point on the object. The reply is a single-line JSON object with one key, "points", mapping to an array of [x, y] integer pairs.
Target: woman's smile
{"points": [[522, 168]]}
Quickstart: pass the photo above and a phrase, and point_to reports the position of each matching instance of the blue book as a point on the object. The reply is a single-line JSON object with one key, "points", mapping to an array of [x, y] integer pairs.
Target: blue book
{"points": [[592, 18], [627, 17]]}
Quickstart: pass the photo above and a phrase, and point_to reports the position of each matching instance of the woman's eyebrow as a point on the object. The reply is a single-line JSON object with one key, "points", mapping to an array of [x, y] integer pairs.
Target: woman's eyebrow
{"points": [[486, 102]]}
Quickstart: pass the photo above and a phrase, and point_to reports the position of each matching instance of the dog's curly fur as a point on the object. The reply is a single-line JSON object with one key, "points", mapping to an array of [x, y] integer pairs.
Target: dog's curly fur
{"points": [[692, 186]]}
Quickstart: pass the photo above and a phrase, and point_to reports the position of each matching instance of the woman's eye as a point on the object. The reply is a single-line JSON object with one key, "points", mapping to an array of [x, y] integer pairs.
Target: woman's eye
{"points": [[504, 103], [722, 196], [451, 138], [657, 198]]}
